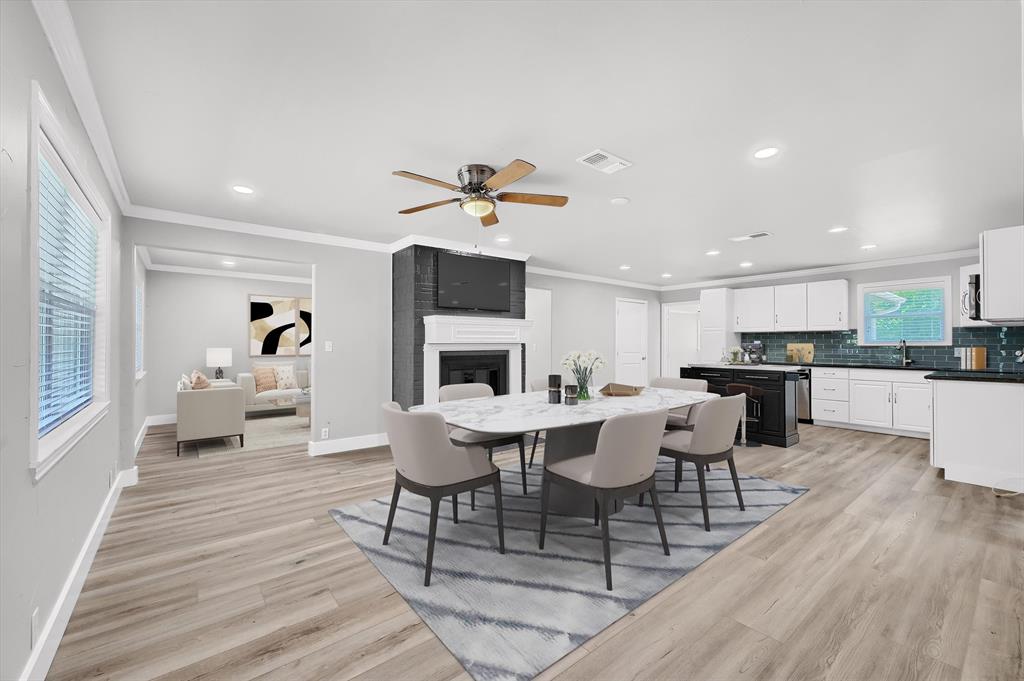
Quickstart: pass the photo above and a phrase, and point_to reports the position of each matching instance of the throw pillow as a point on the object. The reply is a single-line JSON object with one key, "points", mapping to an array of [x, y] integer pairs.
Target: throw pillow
{"points": [[285, 375], [199, 380], [265, 379], [184, 383]]}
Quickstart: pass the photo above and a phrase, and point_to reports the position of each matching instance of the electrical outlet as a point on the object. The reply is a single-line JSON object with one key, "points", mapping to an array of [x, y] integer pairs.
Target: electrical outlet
{"points": [[328, 346], [34, 628], [958, 352], [325, 433]]}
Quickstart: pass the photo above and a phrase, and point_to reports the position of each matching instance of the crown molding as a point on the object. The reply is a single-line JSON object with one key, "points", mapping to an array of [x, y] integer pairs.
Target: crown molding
{"points": [[448, 244], [589, 277], [143, 252], [59, 28], [206, 272]]}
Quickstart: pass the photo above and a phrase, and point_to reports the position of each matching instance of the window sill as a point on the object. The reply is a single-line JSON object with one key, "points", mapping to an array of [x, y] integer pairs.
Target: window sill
{"points": [[55, 444], [139, 375]]}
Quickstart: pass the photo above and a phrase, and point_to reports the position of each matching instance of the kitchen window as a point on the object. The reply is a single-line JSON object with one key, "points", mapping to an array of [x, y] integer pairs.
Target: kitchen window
{"points": [[915, 310]]}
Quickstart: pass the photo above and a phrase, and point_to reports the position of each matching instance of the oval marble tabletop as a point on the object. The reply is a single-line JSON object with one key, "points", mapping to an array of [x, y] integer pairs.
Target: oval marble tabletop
{"points": [[529, 412]]}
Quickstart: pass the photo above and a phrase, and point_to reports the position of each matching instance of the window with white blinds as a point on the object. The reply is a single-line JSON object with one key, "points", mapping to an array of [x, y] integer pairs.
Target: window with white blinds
{"points": [[917, 311], [68, 257]]}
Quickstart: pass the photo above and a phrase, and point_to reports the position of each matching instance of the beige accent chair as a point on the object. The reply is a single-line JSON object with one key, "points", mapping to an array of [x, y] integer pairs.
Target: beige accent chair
{"points": [[217, 411], [622, 465], [465, 438], [429, 465], [270, 400], [536, 385], [679, 419], [711, 440]]}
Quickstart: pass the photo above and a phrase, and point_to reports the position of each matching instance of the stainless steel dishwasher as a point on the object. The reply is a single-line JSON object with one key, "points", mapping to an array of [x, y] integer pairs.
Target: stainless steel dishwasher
{"points": [[803, 397]]}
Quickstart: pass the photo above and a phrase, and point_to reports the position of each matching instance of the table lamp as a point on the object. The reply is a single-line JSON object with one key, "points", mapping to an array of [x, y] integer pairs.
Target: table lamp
{"points": [[218, 357]]}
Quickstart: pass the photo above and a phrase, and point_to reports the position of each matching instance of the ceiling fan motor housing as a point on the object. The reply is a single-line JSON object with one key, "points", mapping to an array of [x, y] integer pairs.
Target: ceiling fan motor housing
{"points": [[473, 176]]}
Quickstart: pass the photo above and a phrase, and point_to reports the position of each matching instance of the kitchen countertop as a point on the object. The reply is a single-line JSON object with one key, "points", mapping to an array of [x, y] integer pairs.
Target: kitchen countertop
{"points": [[786, 366], [988, 375]]}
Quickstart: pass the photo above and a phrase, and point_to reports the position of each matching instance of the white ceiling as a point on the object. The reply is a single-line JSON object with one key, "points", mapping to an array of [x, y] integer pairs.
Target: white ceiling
{"points": [[163, 258], [901, 120]]}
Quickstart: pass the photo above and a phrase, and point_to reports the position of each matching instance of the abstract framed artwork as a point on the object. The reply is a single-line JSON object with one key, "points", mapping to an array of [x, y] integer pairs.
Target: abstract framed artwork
{"points": [[305, 326], [272, 325]]}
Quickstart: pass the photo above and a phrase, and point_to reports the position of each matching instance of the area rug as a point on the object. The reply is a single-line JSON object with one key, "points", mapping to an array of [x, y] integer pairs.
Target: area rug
{"points": [[511, 616]]}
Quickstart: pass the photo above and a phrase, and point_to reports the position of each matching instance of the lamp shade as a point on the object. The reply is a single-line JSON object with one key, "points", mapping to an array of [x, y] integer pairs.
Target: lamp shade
{"points": [[218, 357]]}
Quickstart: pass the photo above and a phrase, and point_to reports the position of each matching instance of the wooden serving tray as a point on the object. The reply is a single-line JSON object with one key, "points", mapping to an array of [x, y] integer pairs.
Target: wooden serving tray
{"points": [[621, 390]]}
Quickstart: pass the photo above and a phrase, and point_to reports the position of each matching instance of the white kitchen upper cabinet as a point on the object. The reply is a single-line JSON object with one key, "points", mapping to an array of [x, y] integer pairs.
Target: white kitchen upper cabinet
{"points": [[828, 305], [871, 403], [1002, 274], [912, 407], [716, 309], [754, 309], [962, 302], [791, 307]]}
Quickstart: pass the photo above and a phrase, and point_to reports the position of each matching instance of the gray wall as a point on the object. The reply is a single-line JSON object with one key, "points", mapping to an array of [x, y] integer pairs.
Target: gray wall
{"points": [[45, 523], [187, 313], [583, 318], [351, 308]]}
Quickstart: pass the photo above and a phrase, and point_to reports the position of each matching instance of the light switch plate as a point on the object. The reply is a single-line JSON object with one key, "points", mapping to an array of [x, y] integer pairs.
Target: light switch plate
{"points": [[328, 346], [325, 433]]}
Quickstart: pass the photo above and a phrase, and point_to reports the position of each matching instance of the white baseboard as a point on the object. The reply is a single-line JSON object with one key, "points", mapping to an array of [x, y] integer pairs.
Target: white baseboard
{"points": [[347, 444], [139, 438], [871, 429], [41, 657], [161, 420]]}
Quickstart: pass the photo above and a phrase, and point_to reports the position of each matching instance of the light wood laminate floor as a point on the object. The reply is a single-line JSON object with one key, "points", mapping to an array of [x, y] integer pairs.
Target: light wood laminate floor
{"points": [[228, 567]]}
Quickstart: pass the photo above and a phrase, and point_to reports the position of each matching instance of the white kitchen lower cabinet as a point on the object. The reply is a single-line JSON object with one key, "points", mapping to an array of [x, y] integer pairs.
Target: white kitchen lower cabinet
{"points": [[830, 410], [871, 403], [912, 407]]}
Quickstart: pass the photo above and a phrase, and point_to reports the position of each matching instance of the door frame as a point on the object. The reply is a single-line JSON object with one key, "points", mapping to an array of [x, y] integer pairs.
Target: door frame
{"points": [[551, 362], [646, 341], [666, 309]]}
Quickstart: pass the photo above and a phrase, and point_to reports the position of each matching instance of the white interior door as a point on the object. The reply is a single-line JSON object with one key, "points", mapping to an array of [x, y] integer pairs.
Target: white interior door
{"points": [[680, 336], [538, 350], [630, 341]]}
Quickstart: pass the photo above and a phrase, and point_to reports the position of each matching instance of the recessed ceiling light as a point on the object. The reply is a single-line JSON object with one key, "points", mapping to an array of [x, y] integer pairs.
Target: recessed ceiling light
{"points": [[838, 228], [666, 276], [620, 200], [503, 238], [624, 267], [228, 263], [746, 264], [712, 252], [868, 247], [242, 189], [767, 152]]}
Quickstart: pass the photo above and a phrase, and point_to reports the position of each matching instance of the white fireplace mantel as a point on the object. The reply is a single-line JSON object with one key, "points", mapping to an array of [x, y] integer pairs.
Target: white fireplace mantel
{"points": [[446, 333]]}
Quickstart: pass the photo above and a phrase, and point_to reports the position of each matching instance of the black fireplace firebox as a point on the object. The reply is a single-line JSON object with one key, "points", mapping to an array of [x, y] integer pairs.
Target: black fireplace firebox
{"points": [[473, 366]]}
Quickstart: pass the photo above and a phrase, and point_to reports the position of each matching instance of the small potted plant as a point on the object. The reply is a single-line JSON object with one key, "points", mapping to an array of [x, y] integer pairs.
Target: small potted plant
{"points": [[582, 366]]}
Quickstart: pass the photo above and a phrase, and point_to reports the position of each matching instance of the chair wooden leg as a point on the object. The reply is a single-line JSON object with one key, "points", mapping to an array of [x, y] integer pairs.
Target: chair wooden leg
{"points": [[391, 512], [533, 450], [455, 508], [472, 500], [679, 472], [497, 508], [703, 497], [597, 513], [707, 467], [490, 454], [179, 450], [241, 441], [605, 540], [435, 505], [657, 516], [545, 489], [522, 463], [736, 483], [640, 501]]}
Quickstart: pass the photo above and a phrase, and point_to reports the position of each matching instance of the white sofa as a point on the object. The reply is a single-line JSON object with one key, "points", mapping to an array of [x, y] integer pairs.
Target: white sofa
{"points": [[265, 401], [217, 411]]}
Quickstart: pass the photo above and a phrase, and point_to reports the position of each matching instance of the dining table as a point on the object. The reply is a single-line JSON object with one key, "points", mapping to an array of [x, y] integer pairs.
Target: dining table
{"points": [[570, 430]]}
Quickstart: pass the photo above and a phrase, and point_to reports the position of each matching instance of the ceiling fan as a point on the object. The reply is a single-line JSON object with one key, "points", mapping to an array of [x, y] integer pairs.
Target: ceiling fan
{"points": [[479, 182]]}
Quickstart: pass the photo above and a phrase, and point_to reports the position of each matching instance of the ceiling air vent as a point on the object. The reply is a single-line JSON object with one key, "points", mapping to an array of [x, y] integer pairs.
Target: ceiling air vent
{"points": [[604, 161], [748, 237]]}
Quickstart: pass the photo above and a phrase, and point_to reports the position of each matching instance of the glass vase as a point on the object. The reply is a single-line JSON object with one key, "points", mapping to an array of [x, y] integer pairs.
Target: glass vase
{"points": [[584, 393]]}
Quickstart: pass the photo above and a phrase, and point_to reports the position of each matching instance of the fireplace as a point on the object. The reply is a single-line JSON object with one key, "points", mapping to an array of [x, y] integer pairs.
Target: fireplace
{"points": [[469, 366]]}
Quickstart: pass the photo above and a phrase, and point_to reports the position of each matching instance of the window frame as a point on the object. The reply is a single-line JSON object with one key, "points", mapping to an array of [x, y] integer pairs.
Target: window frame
{"points": [[945, 283], [47, 137]]}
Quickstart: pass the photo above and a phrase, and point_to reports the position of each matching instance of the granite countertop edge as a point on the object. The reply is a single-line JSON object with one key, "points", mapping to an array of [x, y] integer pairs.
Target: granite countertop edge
{"points": [[937, 373], [966, 375]]}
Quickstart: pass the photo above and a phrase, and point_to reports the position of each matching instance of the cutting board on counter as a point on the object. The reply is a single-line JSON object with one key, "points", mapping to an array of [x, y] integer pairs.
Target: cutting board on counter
{"points": [[801, 353]]}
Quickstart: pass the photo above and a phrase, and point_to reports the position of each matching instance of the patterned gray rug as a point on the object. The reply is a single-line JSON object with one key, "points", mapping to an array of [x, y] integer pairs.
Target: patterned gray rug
{"points": [[511, 616]]}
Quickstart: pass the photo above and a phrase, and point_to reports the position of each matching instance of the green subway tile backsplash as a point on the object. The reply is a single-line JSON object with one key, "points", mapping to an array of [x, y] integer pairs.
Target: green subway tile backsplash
{"points": [[838, 347]]}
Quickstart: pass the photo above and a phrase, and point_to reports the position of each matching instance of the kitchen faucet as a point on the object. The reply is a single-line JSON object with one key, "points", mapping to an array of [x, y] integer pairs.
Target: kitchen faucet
{"points": [[903, 354]]}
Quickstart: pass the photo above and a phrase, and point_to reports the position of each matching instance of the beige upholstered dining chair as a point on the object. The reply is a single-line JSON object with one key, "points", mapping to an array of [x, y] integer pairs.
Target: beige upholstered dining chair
{"points": [[711, 440], [536, 385], [679, 419], [463, 437], [622, 465], [429, 465]]}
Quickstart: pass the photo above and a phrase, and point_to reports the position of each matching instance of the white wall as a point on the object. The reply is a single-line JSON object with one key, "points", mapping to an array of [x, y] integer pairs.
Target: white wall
{"points": [[583, 318], [44, 524], [187, 313]]}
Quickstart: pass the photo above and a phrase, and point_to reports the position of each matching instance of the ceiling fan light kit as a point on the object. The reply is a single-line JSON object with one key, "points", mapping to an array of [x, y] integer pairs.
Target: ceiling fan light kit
{"points": [[478, 182]]}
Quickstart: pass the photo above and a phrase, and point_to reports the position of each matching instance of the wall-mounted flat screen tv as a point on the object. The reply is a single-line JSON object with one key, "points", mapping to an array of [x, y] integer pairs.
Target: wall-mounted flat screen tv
{"points": [[467, 283]]}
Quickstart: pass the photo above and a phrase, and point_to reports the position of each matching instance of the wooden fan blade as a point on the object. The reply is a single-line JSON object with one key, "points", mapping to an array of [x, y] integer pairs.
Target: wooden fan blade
{"points": [[516, 170], [535, 199], [428, 180], [490, 219], [425, 206]]}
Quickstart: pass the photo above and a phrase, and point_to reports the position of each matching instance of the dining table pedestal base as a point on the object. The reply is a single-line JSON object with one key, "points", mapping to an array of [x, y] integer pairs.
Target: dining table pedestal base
{"points": [[566, 443]]}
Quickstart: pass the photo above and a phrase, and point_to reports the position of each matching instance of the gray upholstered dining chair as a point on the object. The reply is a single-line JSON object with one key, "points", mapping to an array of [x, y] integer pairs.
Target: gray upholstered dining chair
{"points": [[463, 437], [711, 440], [679, 418], [536, 385], [428, 464], [622, 465]]}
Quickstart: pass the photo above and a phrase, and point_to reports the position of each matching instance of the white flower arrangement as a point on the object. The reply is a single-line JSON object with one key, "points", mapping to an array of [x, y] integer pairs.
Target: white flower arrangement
{"points": [[582, 366]]}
